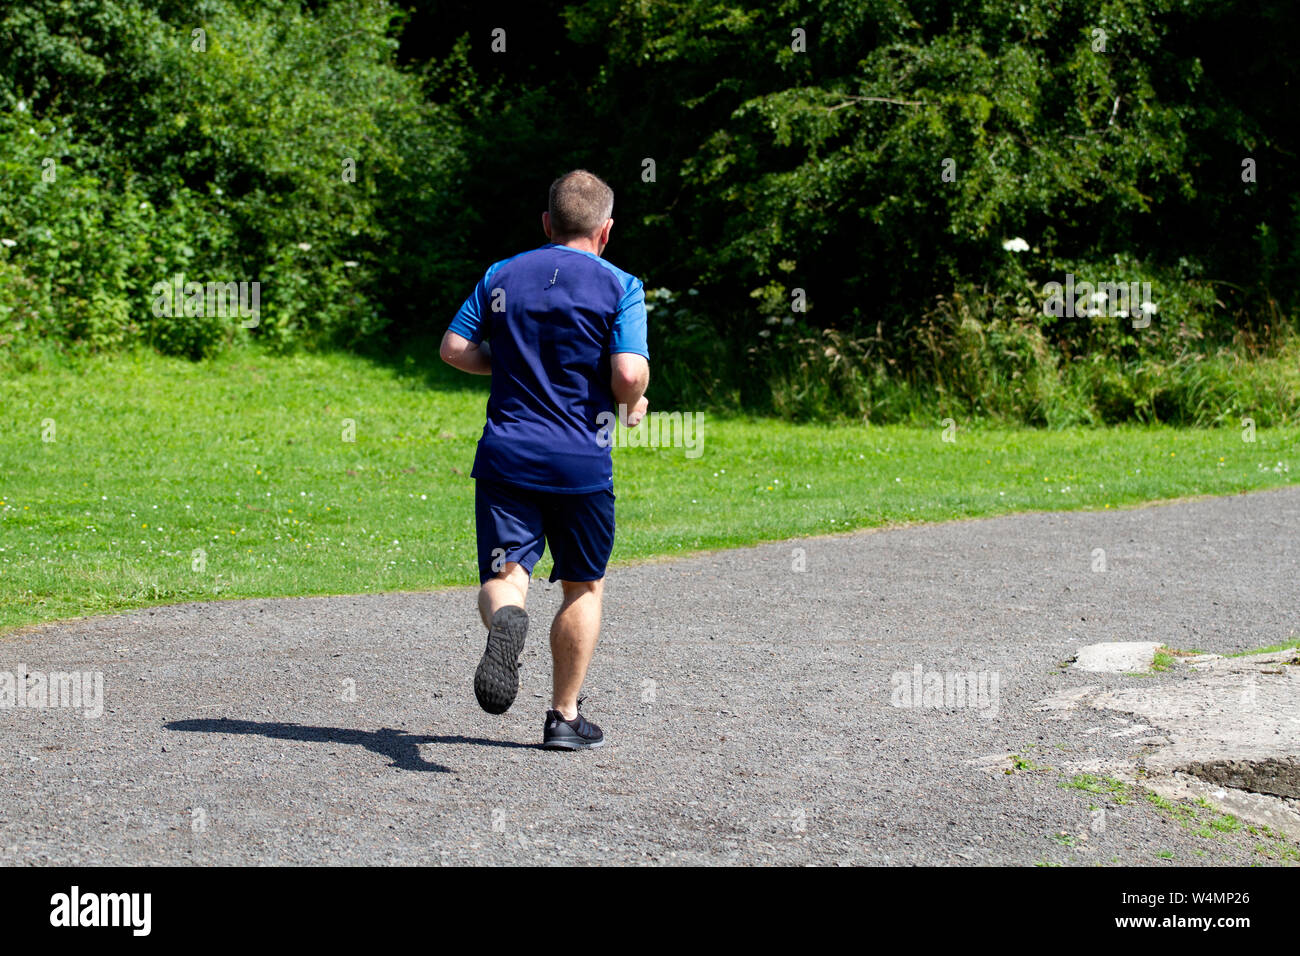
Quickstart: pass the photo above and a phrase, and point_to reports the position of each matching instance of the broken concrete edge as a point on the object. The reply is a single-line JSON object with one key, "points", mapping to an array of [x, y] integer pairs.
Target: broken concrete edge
{"points": [[1255, 777], [1143, 657], [1277, 776], [1217, 662], [1280, 815]]}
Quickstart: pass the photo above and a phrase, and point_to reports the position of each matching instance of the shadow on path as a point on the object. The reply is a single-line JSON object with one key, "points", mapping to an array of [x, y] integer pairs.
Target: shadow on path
{"points": [[401, 748]]}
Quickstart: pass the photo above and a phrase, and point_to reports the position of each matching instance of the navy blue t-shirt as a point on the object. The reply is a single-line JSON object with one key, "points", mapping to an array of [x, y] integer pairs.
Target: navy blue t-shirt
{"points": [[552, 316]]}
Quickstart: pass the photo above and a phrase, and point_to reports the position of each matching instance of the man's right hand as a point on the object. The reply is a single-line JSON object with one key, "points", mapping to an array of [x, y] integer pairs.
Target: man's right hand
{"points": [[634, 417]]}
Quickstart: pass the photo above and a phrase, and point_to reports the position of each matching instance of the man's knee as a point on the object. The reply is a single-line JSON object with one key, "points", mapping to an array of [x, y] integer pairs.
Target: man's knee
{"points": [[576, 589], [513, 573]]}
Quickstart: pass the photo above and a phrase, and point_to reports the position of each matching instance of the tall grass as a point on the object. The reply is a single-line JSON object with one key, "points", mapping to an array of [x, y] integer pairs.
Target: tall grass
{"points": [[977, 355]]}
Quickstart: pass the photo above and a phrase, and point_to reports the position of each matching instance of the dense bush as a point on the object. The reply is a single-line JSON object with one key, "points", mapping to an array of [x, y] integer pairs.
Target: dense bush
{"points": [[228, 142], [1109, 138], [912, 174]]}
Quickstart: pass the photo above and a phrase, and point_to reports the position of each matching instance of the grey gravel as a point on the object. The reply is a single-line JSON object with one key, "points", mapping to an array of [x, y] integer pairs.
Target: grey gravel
{"points": [[748, 708]]}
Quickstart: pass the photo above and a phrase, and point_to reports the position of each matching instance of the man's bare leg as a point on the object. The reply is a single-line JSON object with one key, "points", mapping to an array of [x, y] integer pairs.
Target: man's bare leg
{"points": [[510, 586], [501, 605], [573, 640]]}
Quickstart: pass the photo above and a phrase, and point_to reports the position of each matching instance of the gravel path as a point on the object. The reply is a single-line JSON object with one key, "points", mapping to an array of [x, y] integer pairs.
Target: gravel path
{"points": [[749, 708]]}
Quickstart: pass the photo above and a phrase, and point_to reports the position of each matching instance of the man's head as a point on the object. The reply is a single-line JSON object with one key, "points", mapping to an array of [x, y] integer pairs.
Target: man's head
{"points": [[579, 210]]}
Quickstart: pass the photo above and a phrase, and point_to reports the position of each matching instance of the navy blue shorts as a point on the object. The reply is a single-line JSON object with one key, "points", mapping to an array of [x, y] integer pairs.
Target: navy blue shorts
{"points": [[517, 524]]}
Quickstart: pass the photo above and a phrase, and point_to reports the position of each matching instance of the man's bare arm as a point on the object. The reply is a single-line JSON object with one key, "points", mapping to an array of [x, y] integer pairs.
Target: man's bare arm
{"points": [[459, 352], [629, 377]]}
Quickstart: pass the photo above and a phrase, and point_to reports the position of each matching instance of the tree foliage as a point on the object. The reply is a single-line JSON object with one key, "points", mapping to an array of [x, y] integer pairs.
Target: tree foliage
{"points": [[870, 159]]}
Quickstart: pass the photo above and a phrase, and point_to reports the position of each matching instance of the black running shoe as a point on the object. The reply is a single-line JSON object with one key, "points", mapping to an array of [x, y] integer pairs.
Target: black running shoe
{"points": [[577, 734], [496, 682]]}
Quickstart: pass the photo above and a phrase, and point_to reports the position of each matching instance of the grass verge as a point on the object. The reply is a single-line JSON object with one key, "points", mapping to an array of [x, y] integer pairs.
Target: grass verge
{"points": [[135, 480]]}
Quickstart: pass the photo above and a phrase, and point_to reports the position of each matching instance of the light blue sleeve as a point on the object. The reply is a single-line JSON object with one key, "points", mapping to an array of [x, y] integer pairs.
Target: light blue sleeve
{"points": [[468, 321], [630, 328]]}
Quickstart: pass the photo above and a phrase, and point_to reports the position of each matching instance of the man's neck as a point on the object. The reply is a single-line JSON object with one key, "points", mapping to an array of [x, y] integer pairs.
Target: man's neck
{"points": [[582, 245]]}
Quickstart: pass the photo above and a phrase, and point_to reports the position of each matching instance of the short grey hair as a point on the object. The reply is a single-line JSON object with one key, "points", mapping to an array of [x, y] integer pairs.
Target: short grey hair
{"points": [[579, 204]]}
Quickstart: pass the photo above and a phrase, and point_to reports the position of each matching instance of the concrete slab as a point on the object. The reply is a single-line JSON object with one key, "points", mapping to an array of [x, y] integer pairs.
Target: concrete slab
{"points": [[1117, 657], [1233, 731]]}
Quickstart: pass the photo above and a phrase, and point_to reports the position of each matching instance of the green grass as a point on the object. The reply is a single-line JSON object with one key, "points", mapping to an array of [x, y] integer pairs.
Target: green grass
{"points": [[1279, 849], [1271, 649], [1119, 791], [1019, 763], [242, 459], [1199, 816]]}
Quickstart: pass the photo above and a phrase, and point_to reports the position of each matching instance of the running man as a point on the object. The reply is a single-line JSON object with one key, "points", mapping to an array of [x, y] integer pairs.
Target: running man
{"points": [[563, 335]]}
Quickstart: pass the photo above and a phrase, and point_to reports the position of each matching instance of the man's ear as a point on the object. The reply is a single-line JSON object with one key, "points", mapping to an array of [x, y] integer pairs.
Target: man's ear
{"points": [[546, 224], [604, 233]]}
